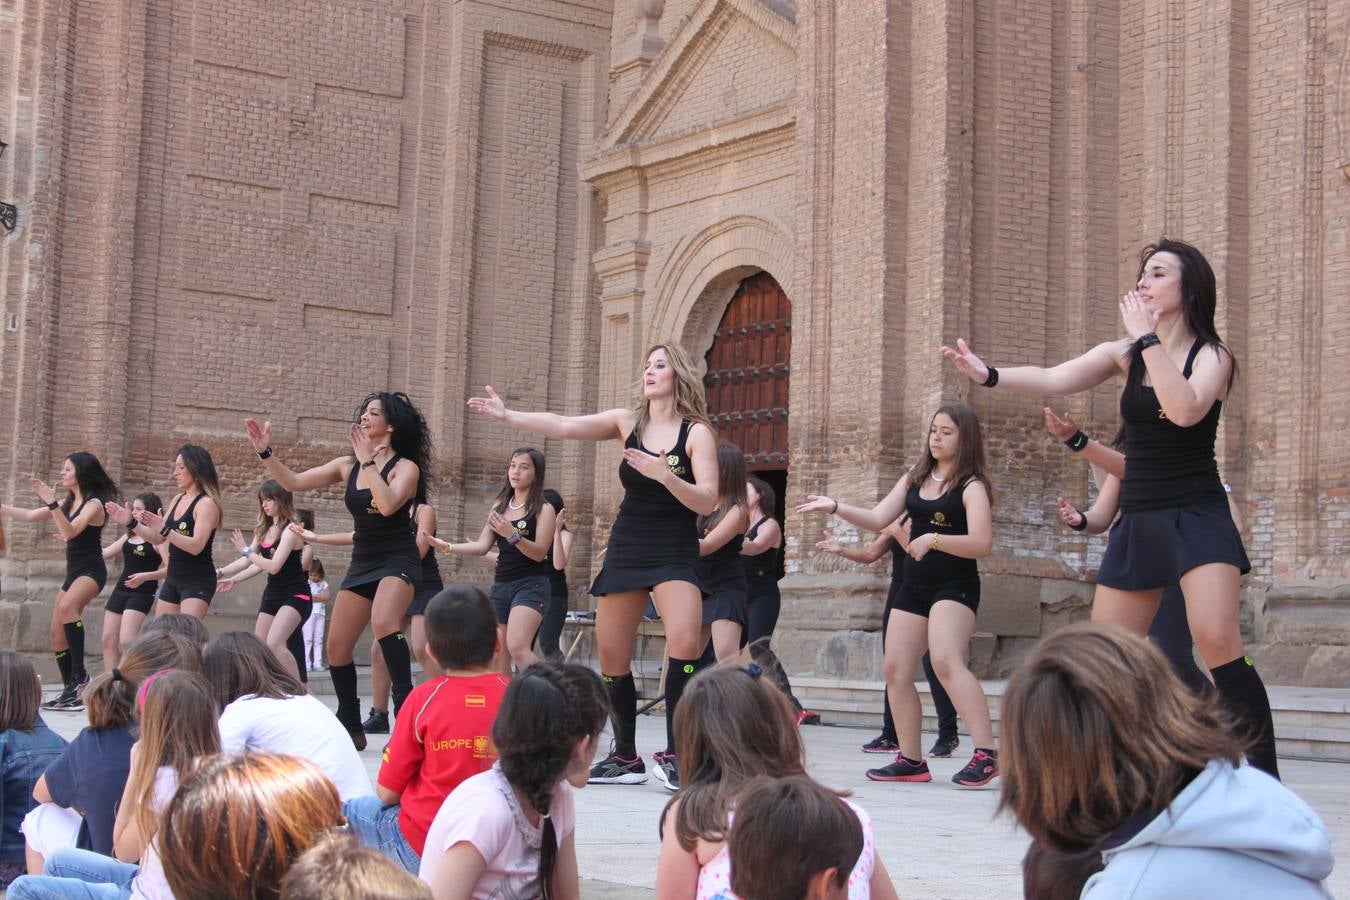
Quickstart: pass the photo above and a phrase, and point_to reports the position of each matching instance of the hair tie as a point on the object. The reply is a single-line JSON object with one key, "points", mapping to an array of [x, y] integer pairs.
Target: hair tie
{"points": [[145, 686], [754, 671], [117, 674]]}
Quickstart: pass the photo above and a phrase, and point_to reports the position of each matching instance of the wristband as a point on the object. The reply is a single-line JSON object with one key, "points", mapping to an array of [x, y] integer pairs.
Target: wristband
{"points": [[1148, 340], [448, 548], [265, 454], [246, 552], [165, 530], [1077, 441], [53, 505], [514, 537], [836, 508], [367, 464], [1082, 520], [991, 379]]}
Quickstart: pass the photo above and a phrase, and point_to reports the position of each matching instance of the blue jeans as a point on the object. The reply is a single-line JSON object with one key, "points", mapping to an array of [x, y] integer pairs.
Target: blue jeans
{"points": [[79, 874], [376, 825]]}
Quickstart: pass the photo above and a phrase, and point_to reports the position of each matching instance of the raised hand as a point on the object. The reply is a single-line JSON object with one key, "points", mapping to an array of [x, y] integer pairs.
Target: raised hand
{"points": [[118, 513], [302, 531], [363, 447], [1139, 320], [817, 503], [260, 436], [965, 360], [1064, 428], [490, 406], [44, 491], [560, 520], [830, 544], [153, 521], [500, 524], [654, 467], [1069, 514], [237, 538]]}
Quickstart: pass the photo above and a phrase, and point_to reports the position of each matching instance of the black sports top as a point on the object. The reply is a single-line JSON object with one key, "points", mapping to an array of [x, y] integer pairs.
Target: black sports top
{"points": [[511, 563], [761, 570], [376, 536], [184, 566], [290, 580], [650, 518], [723, 565], [943, 516], [1166, 465], [85, 550], [137, 558], [431, 570]]}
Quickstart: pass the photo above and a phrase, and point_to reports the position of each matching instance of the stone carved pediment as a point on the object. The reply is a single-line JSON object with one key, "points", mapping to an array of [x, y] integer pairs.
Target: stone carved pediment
{"points": [[731, 58]]}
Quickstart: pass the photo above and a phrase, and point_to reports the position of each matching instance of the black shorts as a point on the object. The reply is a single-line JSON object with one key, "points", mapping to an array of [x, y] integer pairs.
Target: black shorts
{"points": [[99, 574], [727, 602], [425, 591], [532, 592], [273, 602], [1153, 549], [124, 599], [919, 599], [175, 592]]}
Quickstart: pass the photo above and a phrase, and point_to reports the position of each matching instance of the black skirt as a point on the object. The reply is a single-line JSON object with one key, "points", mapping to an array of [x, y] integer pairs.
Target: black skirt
{"points": [[1154, 548]]}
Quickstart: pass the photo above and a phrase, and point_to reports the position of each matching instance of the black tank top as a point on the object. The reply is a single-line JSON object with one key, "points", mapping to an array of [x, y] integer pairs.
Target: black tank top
{"points": [[944, 516], [650, 515], [723, 564], [290, 580], [431, 570], [84, 550], [511, 563], [375, 535], [190, 566], [1166, 465], [761, 570], [137, 558]]}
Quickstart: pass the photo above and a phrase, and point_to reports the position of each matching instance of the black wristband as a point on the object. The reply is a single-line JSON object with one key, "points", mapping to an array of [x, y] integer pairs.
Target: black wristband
{"points": [[1082, 520], [367, 464], [1148, 340], [836, 508], [165, 530], [991, 379], [1077, 441], [265, 454], [53, 505]]}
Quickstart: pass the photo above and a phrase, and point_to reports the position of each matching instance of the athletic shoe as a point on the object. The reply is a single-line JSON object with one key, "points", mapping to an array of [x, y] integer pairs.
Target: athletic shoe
{"points": [[667, 771], [881, 744], [615, 769], [982, 769], [944, 747], [901, 770], [808, 717], [377, 722], [66, 701], [81, 685]]}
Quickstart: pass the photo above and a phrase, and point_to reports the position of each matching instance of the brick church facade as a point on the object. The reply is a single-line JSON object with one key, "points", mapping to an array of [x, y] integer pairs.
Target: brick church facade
{"points": [[271, 208]]}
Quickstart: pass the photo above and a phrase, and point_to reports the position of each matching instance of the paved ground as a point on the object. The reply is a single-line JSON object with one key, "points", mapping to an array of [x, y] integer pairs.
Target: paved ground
{"points": [[937, 841]]}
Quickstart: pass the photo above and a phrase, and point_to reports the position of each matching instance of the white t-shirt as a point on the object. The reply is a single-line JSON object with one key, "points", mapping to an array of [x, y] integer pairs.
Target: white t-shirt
{"points": [[483, 811], [299, 726], [150, 883], [315, 588]]}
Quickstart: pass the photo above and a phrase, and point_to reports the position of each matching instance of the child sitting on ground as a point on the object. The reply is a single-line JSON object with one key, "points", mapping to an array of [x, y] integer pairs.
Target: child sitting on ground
{"points": [[338, 866], [27, 747]]}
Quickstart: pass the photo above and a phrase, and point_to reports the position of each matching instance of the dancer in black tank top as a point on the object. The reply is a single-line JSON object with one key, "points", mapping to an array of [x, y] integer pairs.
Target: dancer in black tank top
{"points": [[550, 630], [134, 592], [279, 552], [669, 474], [387, 471], [1175, 523], [520, 526], [79, 520], [719, 564], [948, 499]]}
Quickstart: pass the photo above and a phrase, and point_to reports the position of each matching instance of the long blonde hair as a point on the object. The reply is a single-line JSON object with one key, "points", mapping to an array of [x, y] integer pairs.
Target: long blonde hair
{"points": [[690, 401], [178, 728]]}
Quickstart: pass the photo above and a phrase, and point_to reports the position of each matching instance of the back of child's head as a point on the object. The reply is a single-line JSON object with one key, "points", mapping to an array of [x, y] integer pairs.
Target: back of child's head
{"points": [[190, 627], [338, 865], [545, 713], [461, 628], [110, 700], [732, 725], [153, 651], [306, 518], [257, 813], [237, 663], [1048, 875], [792, 838], [20, 692], [177, 729]]}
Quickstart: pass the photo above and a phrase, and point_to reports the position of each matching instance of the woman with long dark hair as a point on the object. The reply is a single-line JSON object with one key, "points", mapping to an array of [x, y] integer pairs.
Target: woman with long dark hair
{"points": [[653, 546], [719, 547], [79, 520], [131, 599], [386, 473], [1174, 524]]}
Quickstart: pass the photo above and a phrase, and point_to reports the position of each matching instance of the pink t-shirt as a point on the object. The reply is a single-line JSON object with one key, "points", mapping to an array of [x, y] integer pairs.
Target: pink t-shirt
{"points": [[714, 879], [483, 812]]}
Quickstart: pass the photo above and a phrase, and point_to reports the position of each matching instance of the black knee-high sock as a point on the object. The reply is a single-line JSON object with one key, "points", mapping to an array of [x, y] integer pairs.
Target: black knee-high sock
{"points": [[349, 702], [942, 702], [63, 664], [677, 676], [398, 660], [1243, 695], [887, 719], [296, 645], [75, 640], [623, 713]]}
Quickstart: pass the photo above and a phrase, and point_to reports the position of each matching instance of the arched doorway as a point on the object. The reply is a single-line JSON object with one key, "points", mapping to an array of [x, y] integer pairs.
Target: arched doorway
{"points": [[748, 373]]}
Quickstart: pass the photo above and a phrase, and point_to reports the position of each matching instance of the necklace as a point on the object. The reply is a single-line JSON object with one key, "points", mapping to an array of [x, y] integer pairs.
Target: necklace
{"points": [[511, 505], [934, 475]]}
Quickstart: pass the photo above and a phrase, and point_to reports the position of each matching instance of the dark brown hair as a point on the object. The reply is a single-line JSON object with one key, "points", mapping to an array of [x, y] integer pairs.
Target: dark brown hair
{"points": [[969, 462], [731, 493], [237, 663], [534, 500], [110, 700], [1048, 875], [20, 692], [461, 627], [159, 649], [1097, 728], [189, 627], [256, 813], [788, 831], [338, 865], [731, 725]]}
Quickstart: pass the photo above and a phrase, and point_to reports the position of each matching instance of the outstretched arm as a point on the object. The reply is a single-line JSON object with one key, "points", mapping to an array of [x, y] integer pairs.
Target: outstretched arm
{"points": [[613, 424], [865, 555], [331, 472], [874, 519], [1094, 451], [1078, 374], [466, 548]]}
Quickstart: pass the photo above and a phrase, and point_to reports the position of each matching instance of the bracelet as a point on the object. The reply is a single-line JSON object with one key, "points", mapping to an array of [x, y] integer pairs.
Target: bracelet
{"points": [[1150, 339], [836, 508], [1077, 441], [53, 505], [936, 539], [448, 548], [265, 454], [246, 552], [514, 537], [1082, 520], [367, 464], [991, 379]]}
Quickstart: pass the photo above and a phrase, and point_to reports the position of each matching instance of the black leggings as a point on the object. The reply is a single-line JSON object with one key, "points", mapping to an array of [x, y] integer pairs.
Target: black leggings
{"points": [[762, 608], [1171, 631], [550, 630]]}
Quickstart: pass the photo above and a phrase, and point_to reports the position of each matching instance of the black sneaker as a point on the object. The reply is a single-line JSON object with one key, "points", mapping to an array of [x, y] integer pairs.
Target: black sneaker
{"points": [[982, 769], [377, 722], [66, 701], [901, 770], [615, 769], [881, 744], [667, 771], [944, 747], [81, 684]]}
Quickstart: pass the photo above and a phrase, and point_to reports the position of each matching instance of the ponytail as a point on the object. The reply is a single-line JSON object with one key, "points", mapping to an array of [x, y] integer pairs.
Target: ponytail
{"points": [[110, 700]]}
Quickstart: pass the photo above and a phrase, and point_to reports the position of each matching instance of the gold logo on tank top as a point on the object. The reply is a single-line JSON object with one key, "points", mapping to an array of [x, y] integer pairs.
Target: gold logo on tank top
{"points": [[372, 509], [520, 526], [673, 463], [1162, 415], [182, 527], [138, 550]]}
